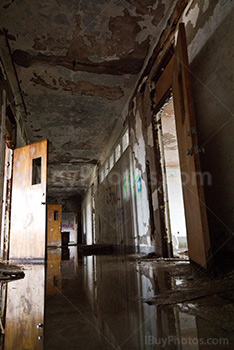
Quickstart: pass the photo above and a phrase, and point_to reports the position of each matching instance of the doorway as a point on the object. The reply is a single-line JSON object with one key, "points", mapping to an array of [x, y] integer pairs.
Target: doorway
{"points": [[173, 77], [54, 220], [171, 178]]}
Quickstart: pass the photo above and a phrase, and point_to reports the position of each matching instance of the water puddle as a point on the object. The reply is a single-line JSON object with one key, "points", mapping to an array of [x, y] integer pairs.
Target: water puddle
{"points": [[99, 302]]}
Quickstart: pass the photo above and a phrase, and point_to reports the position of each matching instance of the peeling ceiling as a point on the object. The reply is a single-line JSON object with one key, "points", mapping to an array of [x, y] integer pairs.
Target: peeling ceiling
{"points": [[77, 63]]}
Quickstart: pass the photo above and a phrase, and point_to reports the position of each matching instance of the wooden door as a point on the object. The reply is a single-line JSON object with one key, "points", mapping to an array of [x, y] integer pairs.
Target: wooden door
{"points": [[28, 214], [25, 310], [54, 215], [194, 202]]}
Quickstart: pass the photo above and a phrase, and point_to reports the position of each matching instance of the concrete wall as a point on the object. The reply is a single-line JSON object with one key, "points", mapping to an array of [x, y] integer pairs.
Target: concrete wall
{"points": [[123, 216], [121, 200], [114, 216]]}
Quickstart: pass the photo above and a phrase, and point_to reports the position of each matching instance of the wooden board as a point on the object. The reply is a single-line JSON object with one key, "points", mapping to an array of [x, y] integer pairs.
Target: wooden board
{"points": [[54, 226], [25, 310], [28, 214], [194, 202], [163, 85]]}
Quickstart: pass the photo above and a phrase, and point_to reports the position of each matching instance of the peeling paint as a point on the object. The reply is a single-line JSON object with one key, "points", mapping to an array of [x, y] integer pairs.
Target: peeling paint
{"points": [[83, 88]]}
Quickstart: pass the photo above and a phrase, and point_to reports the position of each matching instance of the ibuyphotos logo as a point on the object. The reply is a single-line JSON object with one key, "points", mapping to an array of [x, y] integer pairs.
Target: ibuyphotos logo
{"points": [[173, 340]]}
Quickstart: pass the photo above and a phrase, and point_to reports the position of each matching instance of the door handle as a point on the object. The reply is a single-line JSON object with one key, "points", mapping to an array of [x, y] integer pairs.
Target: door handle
{"points": [[43, 203]]}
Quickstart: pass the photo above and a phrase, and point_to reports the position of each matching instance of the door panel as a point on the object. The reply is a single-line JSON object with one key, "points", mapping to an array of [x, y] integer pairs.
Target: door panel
{"points": [[25, 310], [54, 219], [194, 202], [28, 214]]}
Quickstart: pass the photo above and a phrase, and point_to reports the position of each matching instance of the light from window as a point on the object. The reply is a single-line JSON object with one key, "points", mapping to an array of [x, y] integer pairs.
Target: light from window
{"points": [[117, 152], [101, 175], [106, 168], [56, 215], [112, 160], [125, 140]]}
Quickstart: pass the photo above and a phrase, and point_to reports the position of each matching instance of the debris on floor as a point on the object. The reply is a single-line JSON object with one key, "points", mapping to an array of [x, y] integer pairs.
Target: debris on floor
{"points": [[180, 296], [155, 257]]}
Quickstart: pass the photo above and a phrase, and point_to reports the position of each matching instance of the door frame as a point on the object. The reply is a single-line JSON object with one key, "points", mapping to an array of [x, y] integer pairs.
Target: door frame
{"points": [[161, 93], [164, 83]]}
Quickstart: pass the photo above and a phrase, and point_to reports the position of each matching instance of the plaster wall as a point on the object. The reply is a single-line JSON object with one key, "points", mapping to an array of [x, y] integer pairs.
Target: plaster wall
{"points": [[121, 200], [114, 213]]}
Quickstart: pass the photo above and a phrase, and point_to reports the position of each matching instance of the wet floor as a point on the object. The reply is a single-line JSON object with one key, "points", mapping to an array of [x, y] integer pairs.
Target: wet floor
{"points": [[117, 302]]}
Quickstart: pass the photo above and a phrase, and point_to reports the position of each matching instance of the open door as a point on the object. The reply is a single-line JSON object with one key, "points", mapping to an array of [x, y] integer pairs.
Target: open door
{"points": [[54, 215], [28, 214], [194, 202]]}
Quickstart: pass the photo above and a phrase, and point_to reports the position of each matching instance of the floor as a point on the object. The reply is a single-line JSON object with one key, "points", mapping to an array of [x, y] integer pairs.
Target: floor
{"points": [[118, 302]]}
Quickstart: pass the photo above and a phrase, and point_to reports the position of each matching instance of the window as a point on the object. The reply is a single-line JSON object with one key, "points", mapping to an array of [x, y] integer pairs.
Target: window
{"points": [[56, 215], [101, 175], [112, 161], [117, 152], [56, 281], [36, 171], [125, 140], [115, 155], [106, 168]]}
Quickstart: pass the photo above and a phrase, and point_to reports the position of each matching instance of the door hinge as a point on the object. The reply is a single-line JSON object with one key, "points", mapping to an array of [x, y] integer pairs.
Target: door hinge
{"points": [[192, 131], [199, 150]]}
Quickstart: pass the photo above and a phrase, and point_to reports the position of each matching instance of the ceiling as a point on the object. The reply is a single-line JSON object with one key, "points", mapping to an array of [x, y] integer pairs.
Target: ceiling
{"points": [[77, 63]]}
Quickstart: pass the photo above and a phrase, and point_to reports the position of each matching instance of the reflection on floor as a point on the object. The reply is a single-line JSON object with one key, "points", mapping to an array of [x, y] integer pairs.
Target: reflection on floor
{"points": [[118, 302], [25, 310]]}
